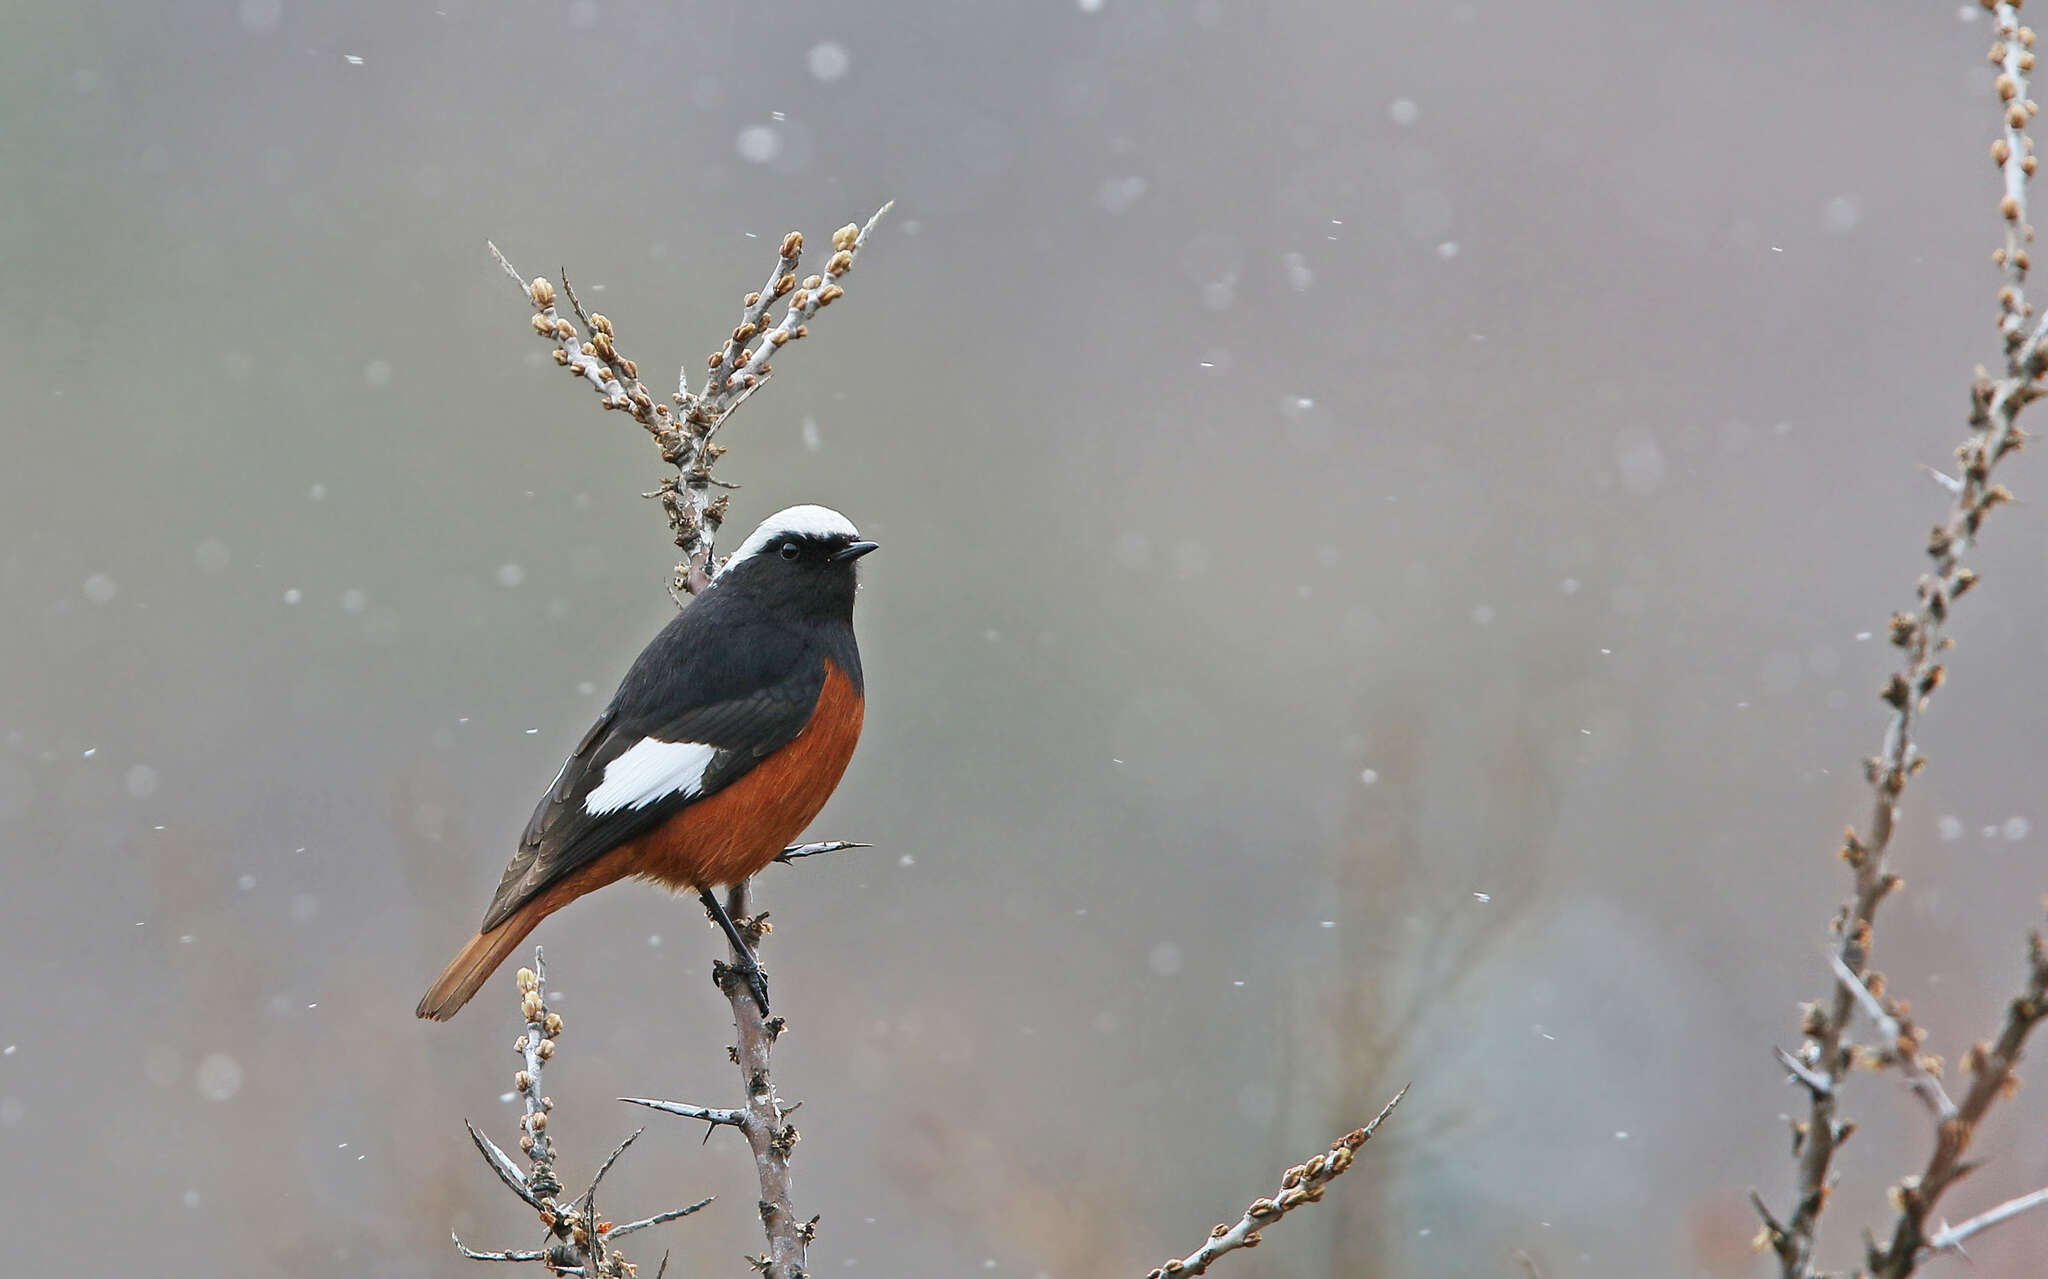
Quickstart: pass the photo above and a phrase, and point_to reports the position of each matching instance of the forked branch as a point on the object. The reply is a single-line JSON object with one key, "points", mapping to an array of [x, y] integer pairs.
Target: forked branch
{"points": [[684, 422], [1827, 1054], [578, 1241]]}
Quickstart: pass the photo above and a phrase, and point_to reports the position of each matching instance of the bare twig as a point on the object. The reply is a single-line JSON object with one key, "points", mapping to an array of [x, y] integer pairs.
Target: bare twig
{"points": [[620, 1232], [501, 1163], [1951, 1237], [1990, 1066], [736, 1118], [795, 851], [1995, 404], [1816, 1082], [1901, 1039], [684, 427], [1301, 1184], [580, 1240], [765, 1122], [505, 1255], [683, 431]]}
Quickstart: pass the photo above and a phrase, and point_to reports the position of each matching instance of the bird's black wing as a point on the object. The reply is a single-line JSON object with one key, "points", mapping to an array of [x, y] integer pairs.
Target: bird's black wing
{"points": [[735, 703]]}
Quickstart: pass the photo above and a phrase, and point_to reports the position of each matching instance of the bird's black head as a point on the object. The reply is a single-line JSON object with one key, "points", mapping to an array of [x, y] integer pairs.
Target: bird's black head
{"points": [[801, 561]]}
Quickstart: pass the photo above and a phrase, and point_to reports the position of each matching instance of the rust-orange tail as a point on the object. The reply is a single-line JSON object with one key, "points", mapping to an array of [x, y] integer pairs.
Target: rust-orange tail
{"points": [[470, 969]]}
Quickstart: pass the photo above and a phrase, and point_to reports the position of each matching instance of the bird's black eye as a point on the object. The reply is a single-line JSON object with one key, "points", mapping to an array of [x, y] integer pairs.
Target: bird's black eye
{"points": [[790, 550]]}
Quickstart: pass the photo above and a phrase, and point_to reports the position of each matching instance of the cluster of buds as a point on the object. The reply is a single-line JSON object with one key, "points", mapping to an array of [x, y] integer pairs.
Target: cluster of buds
{"points": [[597, 361], [2013, 54], [736, 366], [1304, 1183], [683, 428], [536, 1046]]}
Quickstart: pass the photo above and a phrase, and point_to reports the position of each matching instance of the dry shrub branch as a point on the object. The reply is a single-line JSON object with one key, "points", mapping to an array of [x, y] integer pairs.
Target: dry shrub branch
{"points": [[1828, 1052], [579, 1241]]}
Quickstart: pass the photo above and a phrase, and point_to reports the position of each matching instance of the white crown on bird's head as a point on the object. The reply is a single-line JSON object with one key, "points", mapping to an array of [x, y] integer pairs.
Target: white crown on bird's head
{"points": [[796, 521]]}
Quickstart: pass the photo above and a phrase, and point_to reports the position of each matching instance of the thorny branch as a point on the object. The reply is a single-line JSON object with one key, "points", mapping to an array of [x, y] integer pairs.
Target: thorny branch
{"points": [[1899, 1039], [683, 430], [794, 851], [1990, 1065], [1302, 1184], [1827, 1054], [580, 1241], [1951, 1237], [684, 435], [764, 1121], [684, 426]]}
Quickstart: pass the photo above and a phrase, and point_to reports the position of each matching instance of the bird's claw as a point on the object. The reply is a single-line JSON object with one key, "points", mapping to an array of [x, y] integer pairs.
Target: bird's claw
{"points": [[757, 986], [727, 976]]}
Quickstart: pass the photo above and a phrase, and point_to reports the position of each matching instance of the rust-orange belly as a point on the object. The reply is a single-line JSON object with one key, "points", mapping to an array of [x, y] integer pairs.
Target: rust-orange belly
{"points": [[738, 831]]}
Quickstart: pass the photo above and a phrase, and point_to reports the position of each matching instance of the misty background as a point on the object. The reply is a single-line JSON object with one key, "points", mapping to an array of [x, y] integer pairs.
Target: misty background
{"points": [[1383, 510]]}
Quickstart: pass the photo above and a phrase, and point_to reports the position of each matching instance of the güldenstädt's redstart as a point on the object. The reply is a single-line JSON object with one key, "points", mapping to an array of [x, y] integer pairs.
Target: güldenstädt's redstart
{"points": [[724, 740]]}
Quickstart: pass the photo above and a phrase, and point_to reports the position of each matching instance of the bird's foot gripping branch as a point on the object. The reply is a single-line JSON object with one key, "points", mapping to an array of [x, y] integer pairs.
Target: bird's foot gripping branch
{"points": [[581, 1242]]}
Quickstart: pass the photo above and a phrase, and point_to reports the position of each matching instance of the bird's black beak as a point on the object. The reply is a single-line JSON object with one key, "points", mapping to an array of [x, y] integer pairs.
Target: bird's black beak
{"points": [[853, 551]]}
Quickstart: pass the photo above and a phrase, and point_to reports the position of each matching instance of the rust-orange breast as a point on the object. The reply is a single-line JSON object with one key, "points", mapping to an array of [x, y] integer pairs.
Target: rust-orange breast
{"points": [[738, 831]]}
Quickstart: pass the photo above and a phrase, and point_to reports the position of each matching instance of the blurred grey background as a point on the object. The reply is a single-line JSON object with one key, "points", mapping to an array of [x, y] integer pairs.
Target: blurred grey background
{"points": [[1383, 507]]}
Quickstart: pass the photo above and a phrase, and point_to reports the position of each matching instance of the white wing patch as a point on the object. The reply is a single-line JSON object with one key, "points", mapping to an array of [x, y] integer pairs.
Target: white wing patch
{"points": [[651, 770]]}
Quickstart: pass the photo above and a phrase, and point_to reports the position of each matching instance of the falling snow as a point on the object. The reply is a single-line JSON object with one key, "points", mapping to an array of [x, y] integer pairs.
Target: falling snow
{"points": [[828, 61], [1841, 214], [219, 1077], [1164, 959], [758, 144], [261, 15], [1120, 195], [211, 555]]}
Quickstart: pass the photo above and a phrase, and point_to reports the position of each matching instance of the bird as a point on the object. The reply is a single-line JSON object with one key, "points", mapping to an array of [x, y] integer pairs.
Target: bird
{"points": [[726, 736]]}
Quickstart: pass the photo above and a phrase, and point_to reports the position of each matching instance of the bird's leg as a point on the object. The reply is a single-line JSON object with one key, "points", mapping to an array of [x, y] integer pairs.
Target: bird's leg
{"points": [[747, 966]]}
